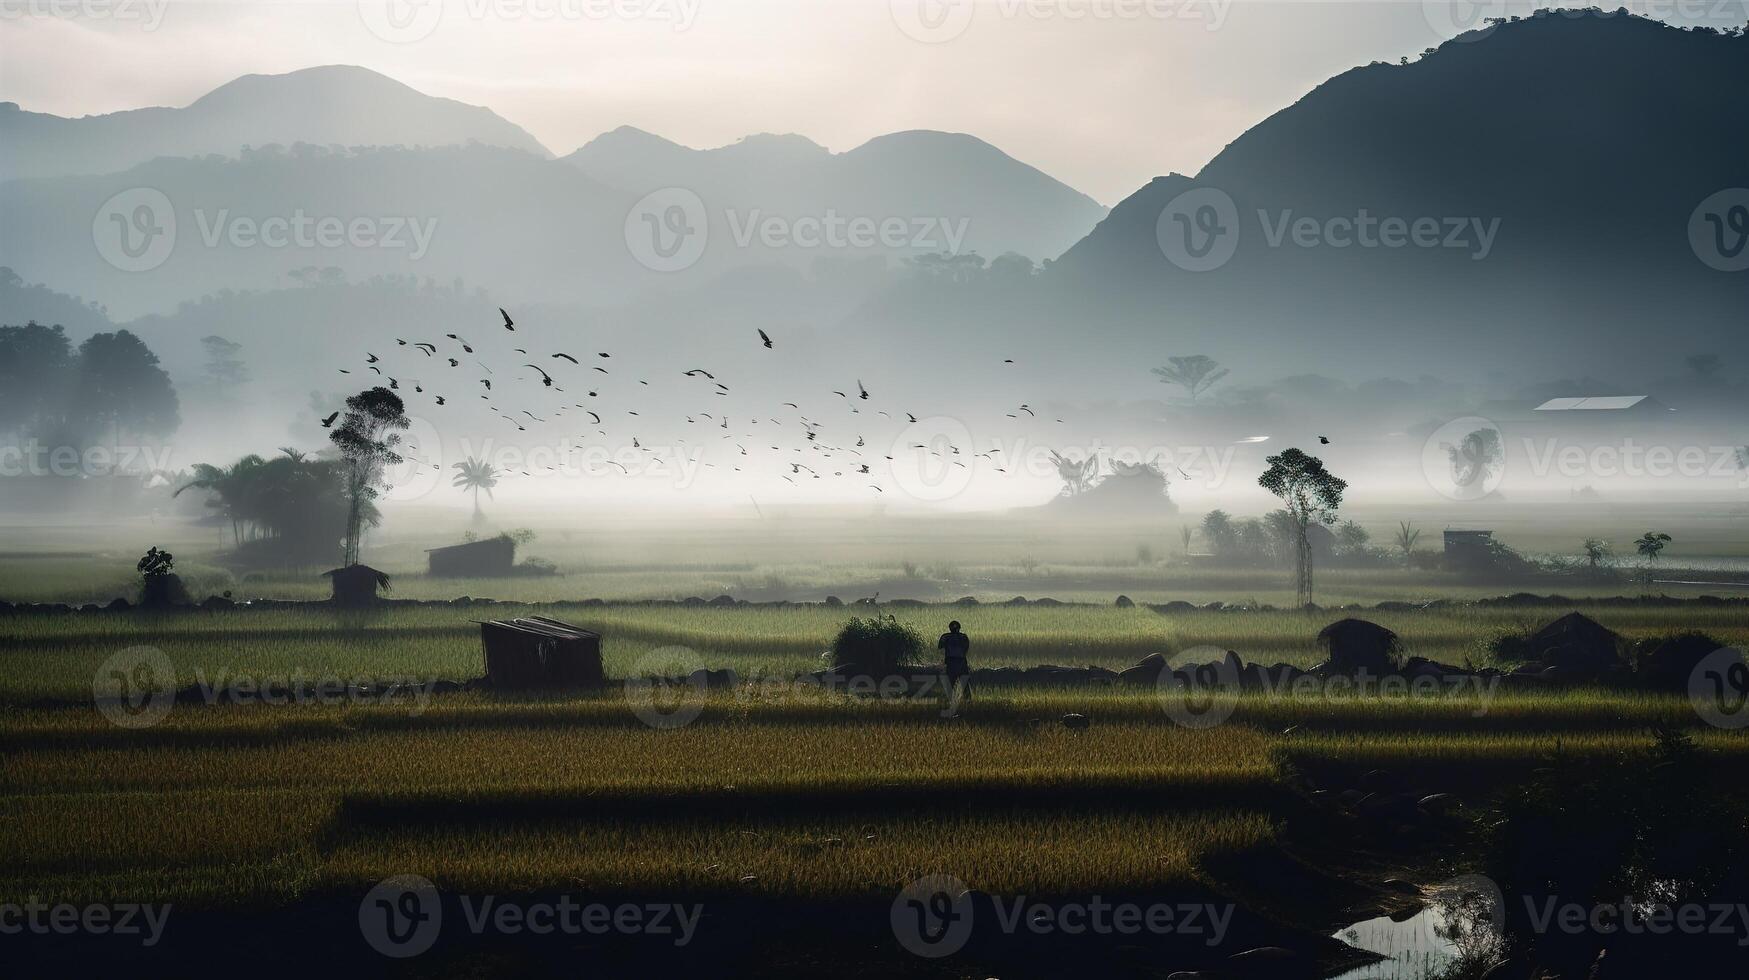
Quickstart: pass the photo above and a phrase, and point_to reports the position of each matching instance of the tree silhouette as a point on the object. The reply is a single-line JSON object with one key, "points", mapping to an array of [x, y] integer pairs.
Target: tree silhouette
{"points": [[1311, 493], [476, 475], [1596, 550], [1077, 477], [1649, 545], [1474, 461], [366, 439], [1407, 535], [1194, 373], [121, 388]]}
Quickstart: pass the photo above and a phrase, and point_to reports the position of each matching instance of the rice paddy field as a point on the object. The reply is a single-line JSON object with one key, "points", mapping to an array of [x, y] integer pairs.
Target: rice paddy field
{"points": [[766, 792]]}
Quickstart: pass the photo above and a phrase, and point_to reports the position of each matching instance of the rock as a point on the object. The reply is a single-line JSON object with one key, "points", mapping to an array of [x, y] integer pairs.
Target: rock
{"points": [[1124, 602], [1075, 721], [966, 600], [1357, 646], [1669, 664], [833, 600], [723, 600], [117, 605], [692, 600], [1381, 779], [1018, 600]]}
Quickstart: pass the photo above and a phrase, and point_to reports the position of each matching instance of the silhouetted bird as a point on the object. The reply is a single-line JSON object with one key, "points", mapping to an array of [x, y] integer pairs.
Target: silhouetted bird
{"points": [[328, 422], [567, 357], [765, 339], [1323, 440], [509, 324], [544, 377]]}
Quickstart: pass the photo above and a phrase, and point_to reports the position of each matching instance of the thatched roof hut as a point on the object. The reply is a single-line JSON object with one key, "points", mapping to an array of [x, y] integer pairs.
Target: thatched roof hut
{"points": [[1577, 642], [357, 585], [1355, 645]]}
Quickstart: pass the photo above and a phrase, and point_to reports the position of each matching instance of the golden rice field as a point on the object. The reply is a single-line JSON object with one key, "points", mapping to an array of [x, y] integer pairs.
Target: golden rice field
{"points": [[55, 657]]}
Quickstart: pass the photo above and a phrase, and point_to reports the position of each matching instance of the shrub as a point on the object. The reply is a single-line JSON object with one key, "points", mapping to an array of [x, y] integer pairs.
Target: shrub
{"points": [[876, 646]]}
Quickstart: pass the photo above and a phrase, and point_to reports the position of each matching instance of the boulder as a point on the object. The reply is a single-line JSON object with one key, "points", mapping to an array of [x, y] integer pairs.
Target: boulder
{"points": [[1668, 664], [833, 600], [723, 600], [1124, 602], [1075, 721], [115, 605], [966, 600]]}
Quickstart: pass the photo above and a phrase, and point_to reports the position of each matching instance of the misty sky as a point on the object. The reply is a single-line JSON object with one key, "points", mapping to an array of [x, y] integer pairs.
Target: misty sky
{"points": [[1103, 94]]}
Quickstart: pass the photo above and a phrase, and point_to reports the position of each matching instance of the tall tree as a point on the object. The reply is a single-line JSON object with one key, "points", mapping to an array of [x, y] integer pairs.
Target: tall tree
{"points": [[366, 439], [1311, 493], [36, 365], [121, 388], [225, 371], [1195, 373]]}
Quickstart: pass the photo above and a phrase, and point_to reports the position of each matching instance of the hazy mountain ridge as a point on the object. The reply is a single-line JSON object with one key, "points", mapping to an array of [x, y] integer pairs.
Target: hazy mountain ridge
{"points": [[1571, 150], [333, 105], [1007, 204]]}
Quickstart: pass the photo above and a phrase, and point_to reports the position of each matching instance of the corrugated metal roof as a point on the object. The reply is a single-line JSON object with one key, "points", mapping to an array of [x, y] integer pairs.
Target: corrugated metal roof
{"points": [[1596, 403]]}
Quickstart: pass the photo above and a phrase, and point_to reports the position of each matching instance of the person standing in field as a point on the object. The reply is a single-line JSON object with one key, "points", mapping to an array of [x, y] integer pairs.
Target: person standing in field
{"points": [[953, 646]]}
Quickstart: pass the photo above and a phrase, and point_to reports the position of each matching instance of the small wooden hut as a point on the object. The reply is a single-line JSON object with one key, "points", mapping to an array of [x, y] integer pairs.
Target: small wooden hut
{"points": [[537, 652], [357, 585], [490, 558]]}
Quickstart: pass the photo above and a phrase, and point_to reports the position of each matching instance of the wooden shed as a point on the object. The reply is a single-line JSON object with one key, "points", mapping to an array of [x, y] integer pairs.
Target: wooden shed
{"points": [[357, 585], [489, 558], [537, 652]]}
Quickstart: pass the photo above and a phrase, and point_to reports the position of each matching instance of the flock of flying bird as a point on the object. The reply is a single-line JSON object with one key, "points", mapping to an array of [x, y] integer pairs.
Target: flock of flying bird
{"points": [[820, 458]]}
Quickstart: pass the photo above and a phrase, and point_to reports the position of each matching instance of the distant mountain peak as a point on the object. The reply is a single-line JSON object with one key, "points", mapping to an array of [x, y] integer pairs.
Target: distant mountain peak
{"points": [[344, 105]]}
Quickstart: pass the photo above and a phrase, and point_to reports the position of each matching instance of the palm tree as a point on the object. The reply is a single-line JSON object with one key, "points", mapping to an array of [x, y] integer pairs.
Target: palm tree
{"points": [[229, 486], [1407, 535], [476, 475]]}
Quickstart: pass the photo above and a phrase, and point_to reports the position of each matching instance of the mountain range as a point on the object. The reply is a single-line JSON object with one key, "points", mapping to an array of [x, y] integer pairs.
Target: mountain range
{"points": [[335, 105], [1573, 181]]}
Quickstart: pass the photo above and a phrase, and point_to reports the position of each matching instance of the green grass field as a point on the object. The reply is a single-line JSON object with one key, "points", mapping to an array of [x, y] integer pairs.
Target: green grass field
{"points": [[772, 790]]}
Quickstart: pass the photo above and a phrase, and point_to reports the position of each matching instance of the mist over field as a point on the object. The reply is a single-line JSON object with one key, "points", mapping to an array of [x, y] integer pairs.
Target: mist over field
{"points": [[878, 488]]}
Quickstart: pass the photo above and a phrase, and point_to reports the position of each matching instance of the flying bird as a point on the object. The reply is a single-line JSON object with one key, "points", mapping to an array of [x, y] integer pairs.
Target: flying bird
{"points": [[373, 358], [765, 339], [509, 324], [567, 357], [861, 392], [328, 422], [698, 371], [545, 378], [1323, 440]]}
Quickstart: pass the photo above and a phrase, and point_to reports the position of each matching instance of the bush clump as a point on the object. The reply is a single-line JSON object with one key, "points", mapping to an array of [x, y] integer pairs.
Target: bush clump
{"points": [[875, 646]]}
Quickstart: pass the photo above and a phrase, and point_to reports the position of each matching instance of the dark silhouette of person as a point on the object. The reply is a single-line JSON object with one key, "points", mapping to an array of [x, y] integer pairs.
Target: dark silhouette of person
{"points": [[953, 646]]}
